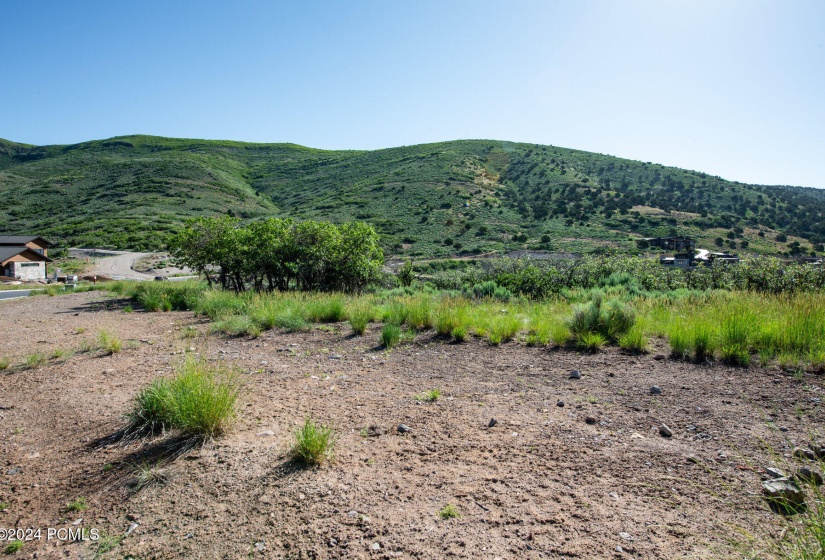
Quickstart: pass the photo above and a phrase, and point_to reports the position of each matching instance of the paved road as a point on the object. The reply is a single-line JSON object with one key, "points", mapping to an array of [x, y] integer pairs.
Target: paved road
{"points": [[9, 294]]}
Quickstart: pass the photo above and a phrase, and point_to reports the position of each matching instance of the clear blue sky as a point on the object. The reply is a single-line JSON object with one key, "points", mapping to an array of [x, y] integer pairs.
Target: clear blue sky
{"points": [[734, 88]]}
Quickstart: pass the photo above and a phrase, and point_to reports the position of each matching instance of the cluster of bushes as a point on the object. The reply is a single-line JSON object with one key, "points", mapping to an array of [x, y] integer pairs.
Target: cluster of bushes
{"points": [[280, 254], [540, 279]]}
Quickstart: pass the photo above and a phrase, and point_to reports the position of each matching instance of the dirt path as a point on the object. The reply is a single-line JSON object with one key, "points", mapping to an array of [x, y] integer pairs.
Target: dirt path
{"points": [[545, 482], [114, 264]]}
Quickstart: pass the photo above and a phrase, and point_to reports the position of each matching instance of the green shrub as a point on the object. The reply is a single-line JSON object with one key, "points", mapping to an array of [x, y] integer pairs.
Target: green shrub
{"points": [[4, 363], [703, 346], [503, 328], [313, 443], [489, 290], [291, 320], [419, 314], [14, 546], [679, 342], [152, 410], [610, 321], [390, 335]]}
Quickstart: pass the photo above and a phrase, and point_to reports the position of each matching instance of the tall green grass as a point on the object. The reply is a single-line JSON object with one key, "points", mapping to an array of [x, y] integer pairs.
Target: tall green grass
{"points": [[200, 400]]}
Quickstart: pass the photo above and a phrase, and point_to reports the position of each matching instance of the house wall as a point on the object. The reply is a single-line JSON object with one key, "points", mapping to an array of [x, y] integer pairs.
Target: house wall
{"points": [[38, 247], [29, 270]]}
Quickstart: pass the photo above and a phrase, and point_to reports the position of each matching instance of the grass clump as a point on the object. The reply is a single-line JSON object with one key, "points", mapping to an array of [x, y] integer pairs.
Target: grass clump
{"points": [[35, 360], [449, 512], [14, 546], [608, 320], [313, 443], [109, 343], [359, 316], [77, 505], [4, 363], [590, 342], [633, 340], [147, 475], [429, 396], [200, 401], [390, 335], [325, 310]]}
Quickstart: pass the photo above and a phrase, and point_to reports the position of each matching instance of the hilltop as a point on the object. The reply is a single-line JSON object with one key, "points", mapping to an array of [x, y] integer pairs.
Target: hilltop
{"points": [[431, 200]]}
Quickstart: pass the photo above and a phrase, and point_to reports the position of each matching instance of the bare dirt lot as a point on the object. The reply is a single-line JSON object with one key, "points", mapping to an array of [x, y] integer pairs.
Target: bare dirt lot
{"points": [[542, 483]]}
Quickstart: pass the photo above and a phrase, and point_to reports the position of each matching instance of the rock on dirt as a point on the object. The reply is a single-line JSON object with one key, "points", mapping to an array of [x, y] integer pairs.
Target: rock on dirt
{"points": [[492, 423], [804, 453], [810, 476], [591, 420], [403, 428], [775, 472], [664, 431], [575, 374], [784, 492], [655, 390]]}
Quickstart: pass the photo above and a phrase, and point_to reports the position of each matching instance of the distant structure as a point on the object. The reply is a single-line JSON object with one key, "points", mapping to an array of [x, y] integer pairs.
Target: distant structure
{"points": [[706, 258], [24, 257]]}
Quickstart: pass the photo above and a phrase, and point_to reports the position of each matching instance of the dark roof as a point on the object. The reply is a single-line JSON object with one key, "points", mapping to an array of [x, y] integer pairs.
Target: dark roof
{"points": [[8, 252], [20, 239]]}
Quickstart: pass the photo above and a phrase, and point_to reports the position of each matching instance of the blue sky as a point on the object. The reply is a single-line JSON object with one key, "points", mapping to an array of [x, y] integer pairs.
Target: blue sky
{"points": [[732, 88]]}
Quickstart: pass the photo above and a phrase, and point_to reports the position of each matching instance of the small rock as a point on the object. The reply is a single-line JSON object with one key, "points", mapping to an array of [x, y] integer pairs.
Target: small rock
{"points": [[352, 513], [775, 472], [818, 450], [664, 431], [784, 493], [77, 522], [560, 404], [259, 546], [626, 536], [131, 528], [810, 476], [492, 423], [655, 390], [403, 428], [619, 549], [375, 431], [803, 453], [108, 371], [693, 460], [376, 546], [132, 517], [783, 429], [659, 357], [333, 542], [335, 356], [575, 374], [266, 433], [15, 470], [590, 420]]}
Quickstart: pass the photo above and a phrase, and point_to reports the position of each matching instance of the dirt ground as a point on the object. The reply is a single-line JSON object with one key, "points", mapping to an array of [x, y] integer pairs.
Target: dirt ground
{"points": [[542, 483]]}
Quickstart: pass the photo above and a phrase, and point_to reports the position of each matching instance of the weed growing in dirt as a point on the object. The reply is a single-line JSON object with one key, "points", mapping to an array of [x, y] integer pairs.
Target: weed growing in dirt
{"points": [[128, 309], [314, 443], [147, 475], [429, 396], [189, 332], [107, 543], [200, 401], [449, 512], [109, 343], [390, 335], [324, 310], [633, 340], [77, 505], [4, 363], [58, 353], [35, 360], [13, 546], [4, 506]]}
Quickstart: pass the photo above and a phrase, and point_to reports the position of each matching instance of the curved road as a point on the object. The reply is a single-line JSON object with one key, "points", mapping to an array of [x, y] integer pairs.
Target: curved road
{"points": [[119, 266]]}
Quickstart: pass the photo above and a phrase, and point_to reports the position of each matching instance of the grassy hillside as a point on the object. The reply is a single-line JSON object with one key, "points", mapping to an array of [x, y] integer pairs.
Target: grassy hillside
{"points": [[450, 198]]}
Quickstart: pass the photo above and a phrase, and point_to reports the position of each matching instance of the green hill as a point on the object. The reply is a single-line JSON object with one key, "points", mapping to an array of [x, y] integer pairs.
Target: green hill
{"points": [[432, 200]]}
